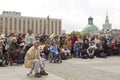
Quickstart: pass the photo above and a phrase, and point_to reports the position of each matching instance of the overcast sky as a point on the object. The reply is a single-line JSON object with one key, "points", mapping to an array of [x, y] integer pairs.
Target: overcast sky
{"points": [[74, 13]]}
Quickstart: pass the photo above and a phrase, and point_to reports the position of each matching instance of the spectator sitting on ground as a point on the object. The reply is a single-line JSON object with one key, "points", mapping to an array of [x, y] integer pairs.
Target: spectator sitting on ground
{"points": [[113, 47], [4, 50], [54, 50], [46, 50], [76, 49], [91, 51], [42, 53], [85, 46], [66, 54], [2, 59], [14, 51]]}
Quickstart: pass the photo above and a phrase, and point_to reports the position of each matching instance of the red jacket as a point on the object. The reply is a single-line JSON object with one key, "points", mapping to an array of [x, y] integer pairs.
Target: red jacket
{"points": [[112, 46], [74, 39]]}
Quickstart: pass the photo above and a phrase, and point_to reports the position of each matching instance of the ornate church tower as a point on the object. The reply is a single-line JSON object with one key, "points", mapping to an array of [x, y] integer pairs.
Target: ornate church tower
{"points": [[107, 26]]}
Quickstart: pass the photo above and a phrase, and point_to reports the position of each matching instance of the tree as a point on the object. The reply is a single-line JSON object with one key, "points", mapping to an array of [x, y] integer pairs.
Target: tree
{"points": [[75, 33]]}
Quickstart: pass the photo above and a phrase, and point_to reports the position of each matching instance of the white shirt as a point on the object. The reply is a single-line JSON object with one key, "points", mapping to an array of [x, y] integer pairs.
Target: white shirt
{"points": [[37, 54], [97, 41], [29, 39], [65, 51]]}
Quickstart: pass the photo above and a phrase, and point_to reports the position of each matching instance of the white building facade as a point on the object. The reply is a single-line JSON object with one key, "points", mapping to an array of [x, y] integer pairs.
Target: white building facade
{"points": [[14, 22]]}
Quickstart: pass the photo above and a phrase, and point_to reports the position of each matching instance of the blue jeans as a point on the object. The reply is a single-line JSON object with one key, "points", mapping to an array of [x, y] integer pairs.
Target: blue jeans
{"points": [[43, 56], [55, 56], [77, 53]]}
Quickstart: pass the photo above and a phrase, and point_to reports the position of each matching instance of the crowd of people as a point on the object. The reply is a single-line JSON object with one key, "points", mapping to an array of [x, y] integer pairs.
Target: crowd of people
{"points": [[33, 50]]}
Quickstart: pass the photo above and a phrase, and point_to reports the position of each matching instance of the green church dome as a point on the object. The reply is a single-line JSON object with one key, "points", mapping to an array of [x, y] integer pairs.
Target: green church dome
{"points": [[90, 28]]}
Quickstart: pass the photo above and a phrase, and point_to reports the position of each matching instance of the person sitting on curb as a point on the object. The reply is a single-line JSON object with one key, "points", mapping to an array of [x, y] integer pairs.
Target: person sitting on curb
{"points": [[33, 60]]}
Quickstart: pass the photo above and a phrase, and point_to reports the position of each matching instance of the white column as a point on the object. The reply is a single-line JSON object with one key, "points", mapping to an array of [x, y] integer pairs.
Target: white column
{"points": [[38, 25], [42, 26], [17, 24], [8, 27], [26, 26], [21, 25], [13, 25], [3, 31], [34, 26], [30, 24]]}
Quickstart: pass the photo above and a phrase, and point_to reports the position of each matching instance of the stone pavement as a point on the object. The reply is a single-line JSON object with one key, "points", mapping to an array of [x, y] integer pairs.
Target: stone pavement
{"points": [[72, 69], [18, 72], [87, 69]]}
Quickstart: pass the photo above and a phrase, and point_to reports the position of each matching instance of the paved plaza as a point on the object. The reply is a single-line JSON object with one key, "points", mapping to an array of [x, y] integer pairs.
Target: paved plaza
{"points": [[72, 69]]}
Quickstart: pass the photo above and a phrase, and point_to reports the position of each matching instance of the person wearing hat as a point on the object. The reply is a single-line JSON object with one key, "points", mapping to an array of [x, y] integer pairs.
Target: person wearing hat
{"points": [[33, 60]]}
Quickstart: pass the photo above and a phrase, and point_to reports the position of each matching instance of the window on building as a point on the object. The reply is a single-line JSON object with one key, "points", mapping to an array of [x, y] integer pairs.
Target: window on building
{"points": [[45, 26], [36, 25], [19, 28], [10, 25], [52, 26], [33, 24], [40, 26], [28, 24], [1, 24], [24, 25], [48, 26], [59, 27], [6, 25], [15, 24], [55, 27]]}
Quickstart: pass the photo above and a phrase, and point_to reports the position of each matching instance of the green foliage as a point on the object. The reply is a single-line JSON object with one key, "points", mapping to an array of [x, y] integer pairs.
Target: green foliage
{"points": [[76, 33], [79, 33]]}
